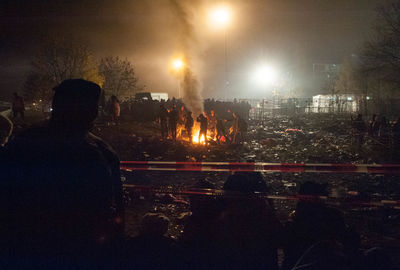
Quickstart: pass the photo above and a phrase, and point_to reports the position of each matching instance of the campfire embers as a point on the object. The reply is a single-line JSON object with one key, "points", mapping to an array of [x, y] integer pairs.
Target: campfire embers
{"points": [[195, 136]]}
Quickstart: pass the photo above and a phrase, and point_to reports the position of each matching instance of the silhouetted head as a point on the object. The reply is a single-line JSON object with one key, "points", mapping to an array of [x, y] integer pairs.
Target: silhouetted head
{"points": [[154, 224], [313, 189], [201, 204], [114, 98], [246, 183], [15, 94], [75, 104], [359, 117]]}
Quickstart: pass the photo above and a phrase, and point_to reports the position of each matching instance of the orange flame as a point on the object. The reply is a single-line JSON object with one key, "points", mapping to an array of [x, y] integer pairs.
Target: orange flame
{"points": [[195, 135]]}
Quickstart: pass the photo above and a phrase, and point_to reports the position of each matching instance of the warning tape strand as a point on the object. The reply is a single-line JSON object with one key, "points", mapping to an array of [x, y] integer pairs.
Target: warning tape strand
{"points": [[259, 167], [146, 190]]}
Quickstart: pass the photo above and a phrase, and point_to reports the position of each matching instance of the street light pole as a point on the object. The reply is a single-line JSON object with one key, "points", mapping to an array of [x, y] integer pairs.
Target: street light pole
{"points": [[179, 90], [220, 17], [226, 64], [178, 66]]}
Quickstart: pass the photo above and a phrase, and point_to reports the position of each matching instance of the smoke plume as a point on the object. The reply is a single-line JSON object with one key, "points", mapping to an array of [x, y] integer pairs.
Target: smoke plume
{"points": [[188, 44]]}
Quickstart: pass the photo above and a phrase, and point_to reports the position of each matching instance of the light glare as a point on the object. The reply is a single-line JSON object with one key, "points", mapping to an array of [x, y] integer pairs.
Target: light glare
{"points": [[177, 64], [265, 75], [220, 16]]}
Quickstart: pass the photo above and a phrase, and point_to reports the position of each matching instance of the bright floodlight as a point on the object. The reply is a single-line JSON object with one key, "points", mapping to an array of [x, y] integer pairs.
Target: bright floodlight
{"points": [[220, 16], [265, 75], [178, 64]]}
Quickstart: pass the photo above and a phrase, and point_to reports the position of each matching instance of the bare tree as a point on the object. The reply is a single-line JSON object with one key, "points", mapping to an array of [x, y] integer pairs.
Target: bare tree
{"points": [[381, 53], [119, 77], [56, 60], [66, 58]]}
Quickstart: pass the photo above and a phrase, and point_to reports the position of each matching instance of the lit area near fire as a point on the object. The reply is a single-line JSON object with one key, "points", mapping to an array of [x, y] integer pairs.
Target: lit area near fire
{"points": [[195, 136]]}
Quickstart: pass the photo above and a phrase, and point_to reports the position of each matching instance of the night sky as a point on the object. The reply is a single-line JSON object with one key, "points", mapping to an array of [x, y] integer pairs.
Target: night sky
{"points": [[277, 32]]}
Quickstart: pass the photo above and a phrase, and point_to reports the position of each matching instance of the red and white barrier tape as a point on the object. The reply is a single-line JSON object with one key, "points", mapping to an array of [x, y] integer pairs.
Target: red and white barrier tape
{"points": [[259, 167], [145, 190]]}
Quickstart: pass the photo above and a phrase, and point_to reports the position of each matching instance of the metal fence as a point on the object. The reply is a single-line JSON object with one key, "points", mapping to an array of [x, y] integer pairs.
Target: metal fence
{"points": [[263, 108]]}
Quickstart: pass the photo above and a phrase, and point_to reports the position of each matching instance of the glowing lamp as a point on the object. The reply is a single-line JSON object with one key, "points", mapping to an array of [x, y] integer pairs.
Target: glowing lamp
{"points": [[220, 16], [178, 64], [265, 75]]}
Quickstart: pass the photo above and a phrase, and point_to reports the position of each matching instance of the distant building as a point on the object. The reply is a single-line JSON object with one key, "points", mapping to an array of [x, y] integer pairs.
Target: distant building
{"points": [[336, 103], [159, 96], [151, 96]]}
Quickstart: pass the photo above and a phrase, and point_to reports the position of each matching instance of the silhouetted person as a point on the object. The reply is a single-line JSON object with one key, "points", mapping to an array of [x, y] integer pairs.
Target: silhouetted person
{"points": [[18, 106], [181, 120], [314, 230], [221, 131], [250, 231], [203, 126], [172, 121], [212, 123], [163, 118], [374, 126], [202, 228], [359, 130], [114, 109], [236, 135], [102, 103], [152, 249], [62, 190], [396, 134], [384, 131], [189, 125]]}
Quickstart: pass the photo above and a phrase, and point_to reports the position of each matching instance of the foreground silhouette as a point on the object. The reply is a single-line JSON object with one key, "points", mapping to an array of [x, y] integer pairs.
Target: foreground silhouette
{"points": [[61, 190]]}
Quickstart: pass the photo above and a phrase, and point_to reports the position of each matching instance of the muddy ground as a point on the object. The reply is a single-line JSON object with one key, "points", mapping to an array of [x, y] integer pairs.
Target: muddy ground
{"points": [[321, 139]]}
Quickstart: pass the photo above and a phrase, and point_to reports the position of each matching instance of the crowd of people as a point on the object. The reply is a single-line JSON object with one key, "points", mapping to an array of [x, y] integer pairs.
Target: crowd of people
{"points": [[176, 121], [378, 129], [62, 208], [145, 109], [180, 123]]}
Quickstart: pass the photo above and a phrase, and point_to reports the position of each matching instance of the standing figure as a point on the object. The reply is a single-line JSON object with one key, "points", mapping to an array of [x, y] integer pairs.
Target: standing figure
{"points": [[243, 126], [396, 134], [181, 120], [18, 106], [236, 136], [172, 121], [212, 124], [203, 126], [384, 131], [221, 131], [359, 130], [162, 117], [114, 109], [102, 104], [374, 126], [189, 125]]}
